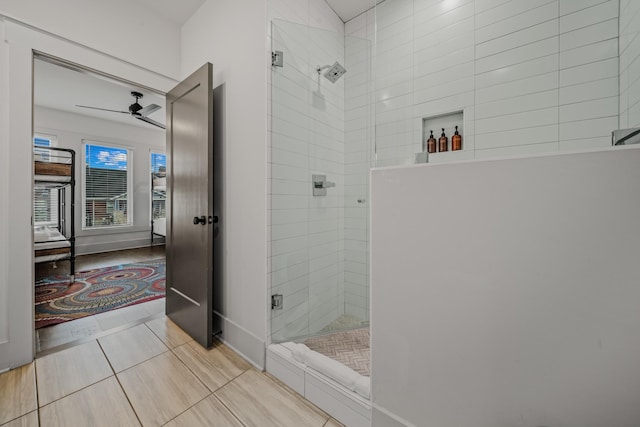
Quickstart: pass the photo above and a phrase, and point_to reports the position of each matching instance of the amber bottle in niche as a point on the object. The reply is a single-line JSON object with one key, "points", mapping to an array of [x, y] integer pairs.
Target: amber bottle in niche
{"points": [[431, 144], [443, 142], [456, 141]]}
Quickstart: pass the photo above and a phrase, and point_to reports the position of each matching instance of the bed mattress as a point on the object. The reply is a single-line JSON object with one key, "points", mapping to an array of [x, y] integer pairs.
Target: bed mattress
{"points": [[160, 226], [47, 237], [52, 178], [49, 258]]}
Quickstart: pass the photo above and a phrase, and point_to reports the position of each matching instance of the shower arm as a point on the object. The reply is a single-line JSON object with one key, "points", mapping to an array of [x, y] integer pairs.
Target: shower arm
{"points": [[324, 67]]}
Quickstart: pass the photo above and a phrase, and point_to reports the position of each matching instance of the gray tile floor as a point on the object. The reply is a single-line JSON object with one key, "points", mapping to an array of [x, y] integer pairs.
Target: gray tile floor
{"points": [[170, 380]]}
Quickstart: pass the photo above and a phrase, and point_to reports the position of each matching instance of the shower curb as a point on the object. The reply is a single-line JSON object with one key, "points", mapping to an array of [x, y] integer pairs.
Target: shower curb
{"points": [[342, 404]]}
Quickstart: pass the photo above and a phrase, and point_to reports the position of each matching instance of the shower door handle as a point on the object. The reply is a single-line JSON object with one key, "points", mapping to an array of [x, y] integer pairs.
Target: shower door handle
{"points": [[202, 220]]}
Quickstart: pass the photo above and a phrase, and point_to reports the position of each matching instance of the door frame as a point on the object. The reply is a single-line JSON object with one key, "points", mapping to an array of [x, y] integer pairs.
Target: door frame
{"points": [[22, 44]]}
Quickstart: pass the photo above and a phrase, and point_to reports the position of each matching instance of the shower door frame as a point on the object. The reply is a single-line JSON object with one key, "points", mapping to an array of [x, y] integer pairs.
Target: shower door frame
{"points": [[318, 94]]}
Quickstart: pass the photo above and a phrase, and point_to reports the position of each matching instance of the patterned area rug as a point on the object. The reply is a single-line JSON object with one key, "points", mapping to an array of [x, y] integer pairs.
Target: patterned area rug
{"points": [[97, 291], [351, 348]]}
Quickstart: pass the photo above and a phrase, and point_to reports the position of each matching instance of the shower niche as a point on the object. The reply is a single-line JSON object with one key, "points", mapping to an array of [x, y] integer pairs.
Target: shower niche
{"points": [[447, 123]]}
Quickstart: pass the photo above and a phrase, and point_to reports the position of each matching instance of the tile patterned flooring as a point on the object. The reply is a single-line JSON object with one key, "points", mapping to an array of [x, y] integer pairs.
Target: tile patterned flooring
{"points": [[151, 374], [351, 348]]}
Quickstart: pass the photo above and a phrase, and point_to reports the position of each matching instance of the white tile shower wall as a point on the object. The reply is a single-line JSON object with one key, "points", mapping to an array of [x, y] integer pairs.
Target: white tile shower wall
{"points": [[326, 156], [629, 64], [358, 136], [588, 39], [394, 81], [307, 136], [530, 75]]}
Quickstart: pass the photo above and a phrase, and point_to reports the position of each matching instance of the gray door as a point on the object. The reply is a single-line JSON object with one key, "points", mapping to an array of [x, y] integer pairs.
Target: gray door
{"points": [[190, 219]]}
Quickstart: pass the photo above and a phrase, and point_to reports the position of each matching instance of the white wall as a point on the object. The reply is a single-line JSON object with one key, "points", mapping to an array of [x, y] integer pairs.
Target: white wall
{"points": [[629, 64], [70, 130], [121, 28], [509, 296], [231, 36], [5, 174], [531, 76]]}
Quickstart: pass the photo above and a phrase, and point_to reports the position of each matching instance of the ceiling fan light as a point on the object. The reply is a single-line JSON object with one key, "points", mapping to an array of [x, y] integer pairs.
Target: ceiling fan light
{"points": [[136, 110], [135, 107]]}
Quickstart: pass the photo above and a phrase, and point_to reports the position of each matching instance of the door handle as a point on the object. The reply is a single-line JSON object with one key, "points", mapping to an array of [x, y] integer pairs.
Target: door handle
{"points": [[202, 220], [213, 219]]}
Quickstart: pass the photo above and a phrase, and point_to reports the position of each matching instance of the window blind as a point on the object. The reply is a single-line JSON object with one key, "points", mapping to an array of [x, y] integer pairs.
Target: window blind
{"points": [[158, 185], [106, 197]]}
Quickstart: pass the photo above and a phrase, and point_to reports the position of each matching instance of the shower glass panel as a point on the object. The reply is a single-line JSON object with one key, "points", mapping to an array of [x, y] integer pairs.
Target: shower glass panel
{"points": [[321, 133]]}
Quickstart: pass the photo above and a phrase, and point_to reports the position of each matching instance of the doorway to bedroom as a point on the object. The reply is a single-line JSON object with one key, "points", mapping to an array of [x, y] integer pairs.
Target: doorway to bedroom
{"points": [[99, 210]]}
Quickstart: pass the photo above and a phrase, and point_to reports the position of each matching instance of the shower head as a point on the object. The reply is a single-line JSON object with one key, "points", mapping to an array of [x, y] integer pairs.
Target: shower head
{"points": [[334, 71]]}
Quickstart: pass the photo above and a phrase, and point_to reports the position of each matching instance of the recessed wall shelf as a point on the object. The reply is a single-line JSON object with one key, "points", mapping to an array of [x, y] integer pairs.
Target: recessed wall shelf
{"points": [[436, 123]]}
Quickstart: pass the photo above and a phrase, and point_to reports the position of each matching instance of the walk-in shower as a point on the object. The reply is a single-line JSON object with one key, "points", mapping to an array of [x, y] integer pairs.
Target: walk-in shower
{"points": [[333, 73], [321, 139]]}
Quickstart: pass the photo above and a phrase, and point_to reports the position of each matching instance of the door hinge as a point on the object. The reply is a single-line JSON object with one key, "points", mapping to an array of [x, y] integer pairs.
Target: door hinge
{"points": [[276, 302], [277, 58]]}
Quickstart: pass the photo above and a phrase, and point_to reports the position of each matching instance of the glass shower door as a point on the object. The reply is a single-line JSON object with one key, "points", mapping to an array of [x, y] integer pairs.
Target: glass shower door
{"points": [[318, 243]]}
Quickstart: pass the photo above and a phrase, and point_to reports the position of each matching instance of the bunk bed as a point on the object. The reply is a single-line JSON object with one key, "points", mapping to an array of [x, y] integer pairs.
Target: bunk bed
{"points": [[158, 200], [54, 173]]}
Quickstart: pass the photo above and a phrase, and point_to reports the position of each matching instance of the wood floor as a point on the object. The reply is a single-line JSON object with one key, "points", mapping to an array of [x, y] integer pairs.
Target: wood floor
{"points": [[64, 334], [105, 259], [152, 374]]}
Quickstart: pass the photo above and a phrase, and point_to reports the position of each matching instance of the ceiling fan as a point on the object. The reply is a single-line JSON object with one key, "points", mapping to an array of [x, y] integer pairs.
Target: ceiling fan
{"points": [[135, 110]]}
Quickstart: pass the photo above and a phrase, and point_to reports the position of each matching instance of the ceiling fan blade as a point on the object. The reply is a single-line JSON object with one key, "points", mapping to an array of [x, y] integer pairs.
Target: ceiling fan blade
{"points": [[103, 109], [149, 109], [150, 121]]}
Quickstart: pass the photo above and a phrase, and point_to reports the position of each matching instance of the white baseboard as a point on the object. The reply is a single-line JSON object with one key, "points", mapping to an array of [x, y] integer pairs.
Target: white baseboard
{"points": [[96, 248], [286, 369], [240, 340], [380, 417], [342, 404]]}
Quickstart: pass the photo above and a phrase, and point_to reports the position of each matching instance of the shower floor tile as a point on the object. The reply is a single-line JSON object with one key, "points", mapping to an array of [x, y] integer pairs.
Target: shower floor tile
{"points": [[342, 323], [351, 348]]}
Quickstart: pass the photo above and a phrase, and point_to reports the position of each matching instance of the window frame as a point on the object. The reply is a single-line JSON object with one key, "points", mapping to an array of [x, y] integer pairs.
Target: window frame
{"points": [[130, 201]]}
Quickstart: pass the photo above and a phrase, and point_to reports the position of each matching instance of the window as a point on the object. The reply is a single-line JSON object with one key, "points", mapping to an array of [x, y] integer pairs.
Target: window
{"points": [[45, 200], [106, 186], [159, 185]]}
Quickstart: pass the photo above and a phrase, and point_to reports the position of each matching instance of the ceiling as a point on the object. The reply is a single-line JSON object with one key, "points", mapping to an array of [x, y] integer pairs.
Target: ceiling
{"points": [[62, 88], [177, 12], [349, 9]]}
